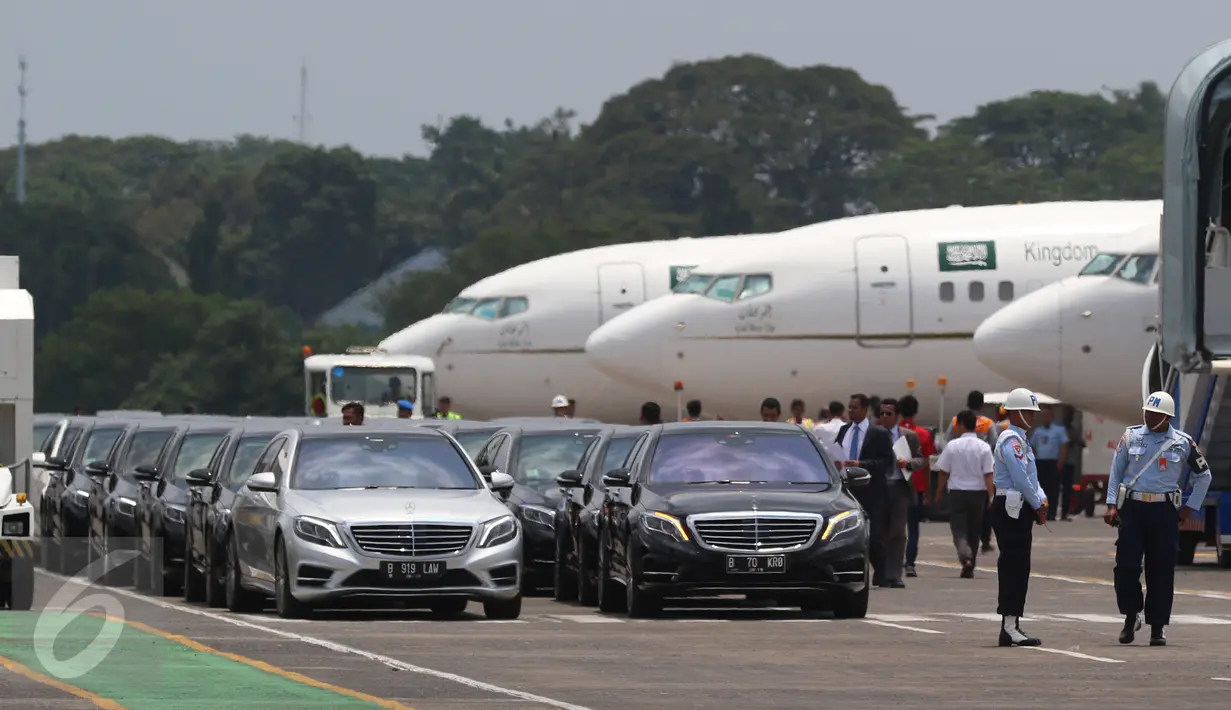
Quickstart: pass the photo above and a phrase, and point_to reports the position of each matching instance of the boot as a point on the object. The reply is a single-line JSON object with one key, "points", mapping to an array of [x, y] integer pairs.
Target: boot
{"points": [[1011, 633], [1157, 636], [1132, 624]]}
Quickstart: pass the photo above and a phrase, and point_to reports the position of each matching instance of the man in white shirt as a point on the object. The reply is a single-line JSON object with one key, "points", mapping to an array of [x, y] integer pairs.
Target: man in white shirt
{"points": [[965, 479], [827, 431]]}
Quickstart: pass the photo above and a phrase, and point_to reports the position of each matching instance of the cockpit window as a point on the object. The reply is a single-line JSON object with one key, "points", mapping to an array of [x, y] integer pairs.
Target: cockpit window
{"points": [[723, 288], [487, 309], [695, 283], [514, 305], [460, 305], [1101, 265], [755, 285], [1137, 268]]}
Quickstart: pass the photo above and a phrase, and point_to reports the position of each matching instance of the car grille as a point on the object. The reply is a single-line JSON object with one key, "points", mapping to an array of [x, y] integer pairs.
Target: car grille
{"points": [[755, 533], [412, 539]]}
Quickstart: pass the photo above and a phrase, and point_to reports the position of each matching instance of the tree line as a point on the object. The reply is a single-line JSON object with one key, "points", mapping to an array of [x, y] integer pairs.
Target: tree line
{"points": [[166, 273]]}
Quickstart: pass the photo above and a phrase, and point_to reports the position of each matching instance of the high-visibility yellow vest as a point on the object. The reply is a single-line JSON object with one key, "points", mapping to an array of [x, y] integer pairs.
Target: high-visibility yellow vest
{"points": [[450, 415]]}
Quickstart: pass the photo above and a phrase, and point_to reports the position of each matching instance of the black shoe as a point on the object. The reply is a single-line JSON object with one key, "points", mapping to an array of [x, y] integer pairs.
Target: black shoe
{"points": [[1021, 639], [1157, 637], [1132, 624], [895, 584], [910, 571]]}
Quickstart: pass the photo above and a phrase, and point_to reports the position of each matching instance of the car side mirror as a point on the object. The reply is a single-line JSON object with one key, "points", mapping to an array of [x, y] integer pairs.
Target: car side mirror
{"points": [[37, 459], [617, 478], [54, 463], [501, 482], [569, 479], [145, 472], [263, 482], [486, 470], [199, 477], [97, 469], [856, 477]]}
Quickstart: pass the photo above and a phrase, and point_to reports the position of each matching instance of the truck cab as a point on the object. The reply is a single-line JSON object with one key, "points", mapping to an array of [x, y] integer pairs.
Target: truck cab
{"points": [[371, 377]]}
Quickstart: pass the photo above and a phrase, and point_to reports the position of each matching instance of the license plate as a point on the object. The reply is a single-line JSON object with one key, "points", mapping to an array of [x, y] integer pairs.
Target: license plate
{"points": [[411, 571], [756, 565]]}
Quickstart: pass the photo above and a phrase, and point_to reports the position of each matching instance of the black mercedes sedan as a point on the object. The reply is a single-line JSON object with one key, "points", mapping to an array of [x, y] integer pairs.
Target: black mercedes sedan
{"points": [[534, 455], [704, 508], [577, 514]]}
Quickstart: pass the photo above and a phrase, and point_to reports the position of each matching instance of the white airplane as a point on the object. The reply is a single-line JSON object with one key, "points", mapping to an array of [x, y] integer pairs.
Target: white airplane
{"points": [[863, 304], [508, 344], [1083, 339]]}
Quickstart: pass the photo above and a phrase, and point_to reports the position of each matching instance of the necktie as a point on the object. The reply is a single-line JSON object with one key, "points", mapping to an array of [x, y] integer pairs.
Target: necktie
{"points": [[854, 442]]}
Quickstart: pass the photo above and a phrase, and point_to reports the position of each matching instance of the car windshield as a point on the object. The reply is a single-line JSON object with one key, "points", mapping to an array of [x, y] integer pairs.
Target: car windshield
{"points": [[244, 461], [1101, 265], [98, 446], [195, 453], [372, 385], [617, 451], [472, 441], [545, 456], [380, 461], [738, 457]]}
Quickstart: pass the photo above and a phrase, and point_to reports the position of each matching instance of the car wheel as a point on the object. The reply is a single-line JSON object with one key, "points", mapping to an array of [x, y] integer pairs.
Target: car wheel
{"points": [[288, 606], [853, 605], [194, 586], [609, 598], [640, 604], [587, 593], [449, 607], [505, 609], [238, 599], [565, 585], [21, 584]]}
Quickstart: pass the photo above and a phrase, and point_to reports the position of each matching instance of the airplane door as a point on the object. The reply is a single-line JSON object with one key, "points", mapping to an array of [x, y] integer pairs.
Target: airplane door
{"points": [[620, 287], [883, 303]]}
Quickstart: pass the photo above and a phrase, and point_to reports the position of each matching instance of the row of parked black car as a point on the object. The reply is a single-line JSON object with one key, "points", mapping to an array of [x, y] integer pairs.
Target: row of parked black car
{"points": [[614, 516]]}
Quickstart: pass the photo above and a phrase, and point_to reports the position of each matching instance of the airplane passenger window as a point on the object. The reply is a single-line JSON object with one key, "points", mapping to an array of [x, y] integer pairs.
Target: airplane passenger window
{"points": [[487, 309], [976, 291], [946, 291], [1101, 265], [514, 305], [1137, 268], [460, 305], [724, 288], [755, 285], [696, 283], [1006, 290]]}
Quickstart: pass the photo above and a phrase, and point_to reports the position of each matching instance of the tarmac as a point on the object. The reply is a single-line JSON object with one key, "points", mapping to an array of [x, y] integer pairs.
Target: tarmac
{"points": [[931, 645]]}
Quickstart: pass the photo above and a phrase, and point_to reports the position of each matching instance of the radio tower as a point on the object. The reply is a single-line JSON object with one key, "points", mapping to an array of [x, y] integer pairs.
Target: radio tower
{"points": [[21, 133], [302, 119]]}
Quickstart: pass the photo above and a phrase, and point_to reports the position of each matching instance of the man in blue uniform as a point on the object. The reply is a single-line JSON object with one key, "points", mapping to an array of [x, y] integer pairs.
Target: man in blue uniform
{"points": [[1019, 505], [1144, 499]]}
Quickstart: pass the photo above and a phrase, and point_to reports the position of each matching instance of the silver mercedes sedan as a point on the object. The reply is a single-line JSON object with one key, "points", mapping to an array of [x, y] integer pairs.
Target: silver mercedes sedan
{"points": [[339, 513]]}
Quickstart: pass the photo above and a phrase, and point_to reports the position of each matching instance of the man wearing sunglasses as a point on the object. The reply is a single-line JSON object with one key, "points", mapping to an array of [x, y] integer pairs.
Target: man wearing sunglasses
{"points": [[901, 493]]}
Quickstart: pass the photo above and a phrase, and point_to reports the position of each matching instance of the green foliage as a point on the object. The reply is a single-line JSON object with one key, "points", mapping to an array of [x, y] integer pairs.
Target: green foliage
{"points": [[169, 272]]}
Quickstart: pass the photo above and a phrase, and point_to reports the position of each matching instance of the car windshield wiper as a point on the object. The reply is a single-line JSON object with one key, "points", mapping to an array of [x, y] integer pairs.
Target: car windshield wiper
{"points": [[370, 488]]}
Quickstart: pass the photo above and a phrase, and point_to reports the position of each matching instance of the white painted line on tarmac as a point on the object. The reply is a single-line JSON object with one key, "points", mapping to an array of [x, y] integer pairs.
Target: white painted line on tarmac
{"points": [[584, 618], [902, 618], [1198, 619], [1225, 680], [1073, 654], [797, 621], [1203, 593], [332, 646], [900, 626], [1095, 618]]}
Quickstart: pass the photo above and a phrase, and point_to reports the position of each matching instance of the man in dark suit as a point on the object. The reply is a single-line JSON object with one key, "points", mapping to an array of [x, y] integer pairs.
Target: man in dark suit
{"points": [[900, 493], [870, 447]]}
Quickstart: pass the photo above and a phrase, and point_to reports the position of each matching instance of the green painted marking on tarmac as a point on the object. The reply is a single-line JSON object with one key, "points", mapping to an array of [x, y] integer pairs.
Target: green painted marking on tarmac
{"points": [[145, 671]]}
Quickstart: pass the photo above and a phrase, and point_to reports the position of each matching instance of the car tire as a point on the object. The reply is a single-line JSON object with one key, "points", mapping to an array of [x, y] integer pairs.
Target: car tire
{"points": [[238, 599], [610, 600], [449, 607], [639, 603], [287, 605], [194, 585], [853, 605], [502, 609], [587, 593], [565, 587]]}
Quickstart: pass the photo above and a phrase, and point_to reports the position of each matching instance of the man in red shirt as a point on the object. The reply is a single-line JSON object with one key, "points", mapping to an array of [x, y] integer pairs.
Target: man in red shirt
{"points": [[909, 408]]}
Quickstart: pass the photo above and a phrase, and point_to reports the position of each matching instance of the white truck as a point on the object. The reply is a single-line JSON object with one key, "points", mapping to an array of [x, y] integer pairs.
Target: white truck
{"points": [[17, 547], [371, 377]]}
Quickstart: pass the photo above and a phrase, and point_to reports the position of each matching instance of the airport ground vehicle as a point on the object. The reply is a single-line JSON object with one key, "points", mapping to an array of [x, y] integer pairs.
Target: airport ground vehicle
{"points": [[340, 513], [371, 377], [17, 547], [705, 508]]}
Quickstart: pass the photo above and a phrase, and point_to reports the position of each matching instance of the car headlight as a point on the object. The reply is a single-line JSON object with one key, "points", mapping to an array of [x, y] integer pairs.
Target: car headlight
{"points": [[498, 531], [539, 515], [125, 506], [843, 522], [664, 524], [318, 532], [174, 513], [16, 526]]}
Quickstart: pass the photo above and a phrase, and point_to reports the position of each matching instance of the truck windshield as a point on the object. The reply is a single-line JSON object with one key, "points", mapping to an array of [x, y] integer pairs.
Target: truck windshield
{"points": [[372, 385]]}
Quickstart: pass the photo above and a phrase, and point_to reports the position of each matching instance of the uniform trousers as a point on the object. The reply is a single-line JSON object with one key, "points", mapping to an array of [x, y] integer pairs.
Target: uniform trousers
{"points": [[1151, 530], [1049, 481], [1015, 538]]}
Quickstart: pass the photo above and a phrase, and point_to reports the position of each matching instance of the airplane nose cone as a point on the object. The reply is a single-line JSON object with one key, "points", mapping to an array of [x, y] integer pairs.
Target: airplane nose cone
{"points": [[1022, 341], [427, 337], [629, 347]]}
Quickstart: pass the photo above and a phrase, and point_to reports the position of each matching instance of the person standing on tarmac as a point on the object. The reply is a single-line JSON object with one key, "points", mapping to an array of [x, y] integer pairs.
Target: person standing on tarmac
{"points": [[444, 409], [1016, 481], [406, 408], [797, 415], [693, 408], [1144, 498]]}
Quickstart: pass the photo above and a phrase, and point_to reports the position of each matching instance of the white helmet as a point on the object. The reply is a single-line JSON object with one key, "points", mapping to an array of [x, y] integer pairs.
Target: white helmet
{"points": [[559, 401], [1021, 398], [1160, 402]]}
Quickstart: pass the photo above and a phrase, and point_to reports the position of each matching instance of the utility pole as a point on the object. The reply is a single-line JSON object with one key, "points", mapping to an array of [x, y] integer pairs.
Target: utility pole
{"points": [[302, 119], [21, 132]]}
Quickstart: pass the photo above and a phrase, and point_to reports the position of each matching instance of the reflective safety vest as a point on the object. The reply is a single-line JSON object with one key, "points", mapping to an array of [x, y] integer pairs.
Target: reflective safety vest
{"points": [[450, 415], [807, 422]]}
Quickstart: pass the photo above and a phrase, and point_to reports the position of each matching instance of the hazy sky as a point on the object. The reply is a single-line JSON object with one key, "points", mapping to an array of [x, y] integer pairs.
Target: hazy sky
{"points": [[378, 69]]}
